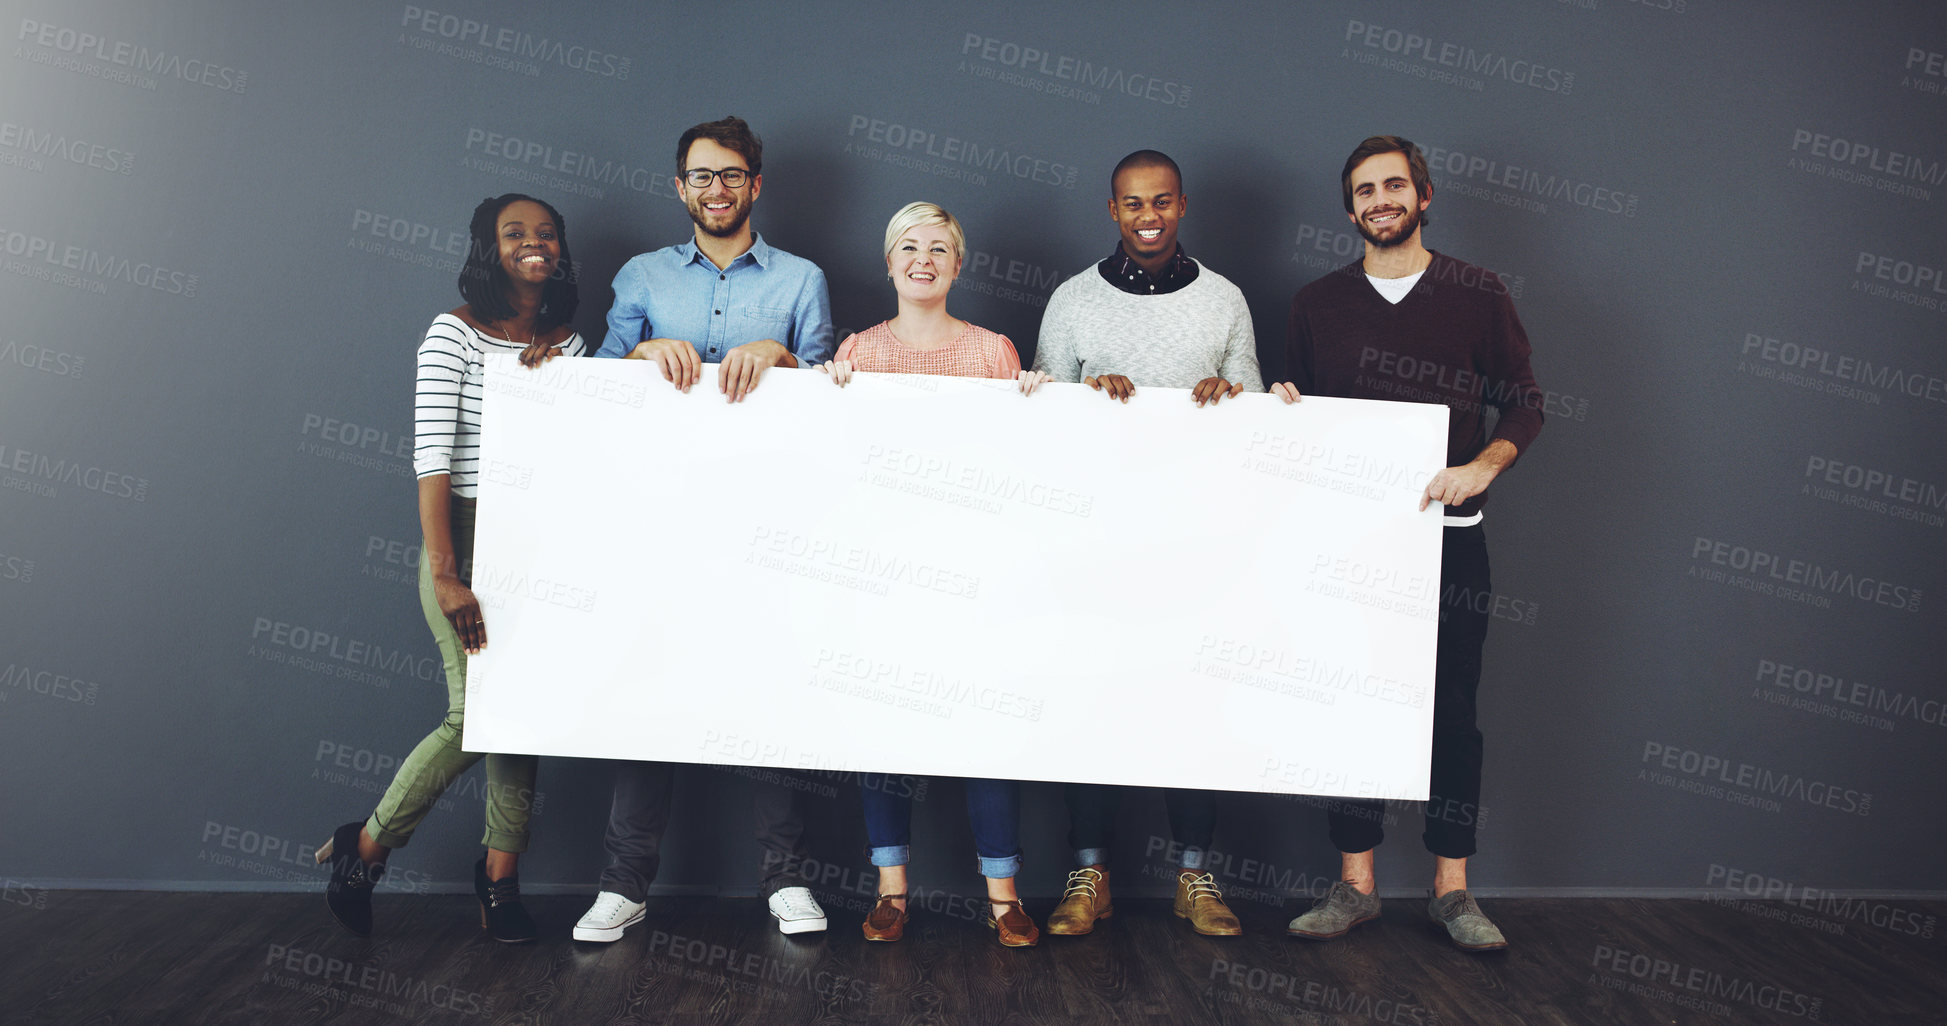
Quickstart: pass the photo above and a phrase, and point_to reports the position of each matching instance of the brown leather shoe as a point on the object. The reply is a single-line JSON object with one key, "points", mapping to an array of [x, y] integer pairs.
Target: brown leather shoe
{"points": [[1085, 901], [886, 921], [1015, 927], [1199, 901]]}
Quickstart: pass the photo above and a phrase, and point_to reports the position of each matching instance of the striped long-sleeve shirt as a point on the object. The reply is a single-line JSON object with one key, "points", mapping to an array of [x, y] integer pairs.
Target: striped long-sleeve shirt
{"points": [[446, 402]]}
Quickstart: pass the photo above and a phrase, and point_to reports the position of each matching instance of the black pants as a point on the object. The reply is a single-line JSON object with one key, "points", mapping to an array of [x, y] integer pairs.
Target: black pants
{"points": [[1092, 811], [639, 811], [1454, 787]]}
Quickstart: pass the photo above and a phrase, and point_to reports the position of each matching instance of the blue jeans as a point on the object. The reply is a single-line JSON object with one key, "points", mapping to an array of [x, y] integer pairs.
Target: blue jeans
{"points": [[993, 809]]}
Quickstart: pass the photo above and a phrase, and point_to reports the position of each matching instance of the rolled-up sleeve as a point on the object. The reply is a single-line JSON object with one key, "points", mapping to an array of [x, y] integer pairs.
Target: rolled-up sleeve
{"points": [[630, 314], [811, 321]]}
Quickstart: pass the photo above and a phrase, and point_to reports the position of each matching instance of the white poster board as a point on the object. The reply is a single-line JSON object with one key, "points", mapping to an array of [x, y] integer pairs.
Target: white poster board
{"points": [[940, 576]]}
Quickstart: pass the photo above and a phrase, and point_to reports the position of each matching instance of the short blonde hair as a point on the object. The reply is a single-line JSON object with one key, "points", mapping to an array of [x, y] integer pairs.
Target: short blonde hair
{"points": [[913, 215]]}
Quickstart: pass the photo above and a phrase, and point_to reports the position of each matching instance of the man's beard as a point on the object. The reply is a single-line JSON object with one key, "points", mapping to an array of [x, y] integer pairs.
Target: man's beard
{"points": [[1408, 223], [740, 211]]}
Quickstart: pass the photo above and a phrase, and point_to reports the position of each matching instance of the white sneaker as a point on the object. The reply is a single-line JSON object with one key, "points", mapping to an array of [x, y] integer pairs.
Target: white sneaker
{"points": [[796, 911], [608, 917]]}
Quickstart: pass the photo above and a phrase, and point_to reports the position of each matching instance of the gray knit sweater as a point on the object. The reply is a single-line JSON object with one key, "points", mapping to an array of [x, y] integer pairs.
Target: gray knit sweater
{"points": [[1203, 330]]}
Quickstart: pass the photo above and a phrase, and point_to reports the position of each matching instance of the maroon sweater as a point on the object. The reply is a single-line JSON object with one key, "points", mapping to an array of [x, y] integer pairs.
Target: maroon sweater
{"points": [[1454, 339]]}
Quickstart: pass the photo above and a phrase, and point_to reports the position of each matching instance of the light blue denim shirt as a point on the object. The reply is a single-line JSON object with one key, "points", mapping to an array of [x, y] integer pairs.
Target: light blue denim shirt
{"points": [[676, 292]]}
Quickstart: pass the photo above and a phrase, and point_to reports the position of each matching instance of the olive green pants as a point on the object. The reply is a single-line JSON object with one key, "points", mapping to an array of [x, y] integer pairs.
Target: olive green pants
{"points": [[438, 760]]}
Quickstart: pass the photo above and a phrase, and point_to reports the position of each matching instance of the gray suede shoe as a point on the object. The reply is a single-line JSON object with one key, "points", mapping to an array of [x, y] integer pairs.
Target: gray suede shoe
{"points": [[1341, 909], [1465, 923]]}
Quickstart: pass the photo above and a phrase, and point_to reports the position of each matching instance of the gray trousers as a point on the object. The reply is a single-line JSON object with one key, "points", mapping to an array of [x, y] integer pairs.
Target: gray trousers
{"points": [[639, 811]]}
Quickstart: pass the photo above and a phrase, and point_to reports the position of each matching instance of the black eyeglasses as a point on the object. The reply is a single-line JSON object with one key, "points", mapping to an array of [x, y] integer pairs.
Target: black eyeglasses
{"points": [[700, 177]]}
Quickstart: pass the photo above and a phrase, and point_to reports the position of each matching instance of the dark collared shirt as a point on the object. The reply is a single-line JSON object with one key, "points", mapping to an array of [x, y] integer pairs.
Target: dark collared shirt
{"points": [[1124, 273]]}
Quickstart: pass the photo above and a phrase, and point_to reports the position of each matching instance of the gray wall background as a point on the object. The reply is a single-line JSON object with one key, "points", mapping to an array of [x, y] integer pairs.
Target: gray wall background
{"points": [[225, 228]]}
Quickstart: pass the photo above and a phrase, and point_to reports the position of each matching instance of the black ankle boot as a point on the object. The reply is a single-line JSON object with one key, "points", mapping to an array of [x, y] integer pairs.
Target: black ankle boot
{"points": [[349, 894], [501, 911]]}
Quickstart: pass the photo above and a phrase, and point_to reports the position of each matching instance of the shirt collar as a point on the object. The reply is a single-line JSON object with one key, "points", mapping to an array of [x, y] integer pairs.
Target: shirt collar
{"points": [[759, 252], [1122, 270]]}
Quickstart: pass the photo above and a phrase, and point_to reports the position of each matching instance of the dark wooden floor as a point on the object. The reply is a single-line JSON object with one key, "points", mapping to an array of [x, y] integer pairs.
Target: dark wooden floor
{"points": [[118, 957]]}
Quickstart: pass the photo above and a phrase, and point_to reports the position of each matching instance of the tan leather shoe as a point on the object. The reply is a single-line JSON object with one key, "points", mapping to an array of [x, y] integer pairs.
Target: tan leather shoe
{"points": [[1199, 901], [1085, 901], [886, 921], [1015, 927]]}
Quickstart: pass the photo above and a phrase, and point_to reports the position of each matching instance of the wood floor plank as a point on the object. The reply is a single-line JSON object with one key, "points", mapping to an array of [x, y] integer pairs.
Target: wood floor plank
{"points": [[115, 958]]}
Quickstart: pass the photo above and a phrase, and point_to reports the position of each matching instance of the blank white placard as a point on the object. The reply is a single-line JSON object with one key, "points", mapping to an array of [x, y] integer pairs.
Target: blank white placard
{"points": [[940, 576]]}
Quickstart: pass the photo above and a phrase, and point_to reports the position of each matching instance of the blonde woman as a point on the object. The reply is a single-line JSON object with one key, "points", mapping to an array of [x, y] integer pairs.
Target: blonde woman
{"points": [[924, 250]]}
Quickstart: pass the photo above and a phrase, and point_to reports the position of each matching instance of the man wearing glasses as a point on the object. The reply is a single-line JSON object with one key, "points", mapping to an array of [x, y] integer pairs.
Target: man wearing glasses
{"points": [[724, 297]]}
